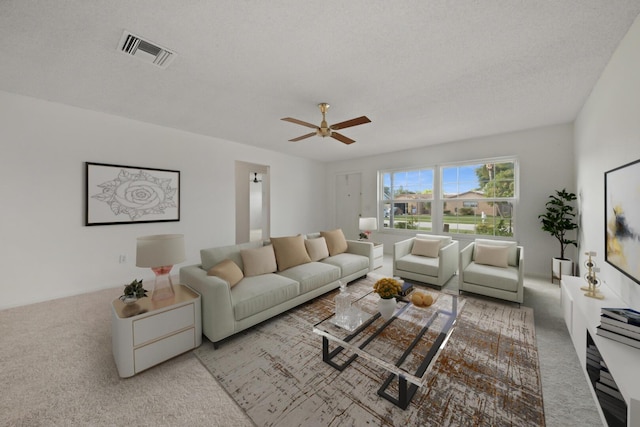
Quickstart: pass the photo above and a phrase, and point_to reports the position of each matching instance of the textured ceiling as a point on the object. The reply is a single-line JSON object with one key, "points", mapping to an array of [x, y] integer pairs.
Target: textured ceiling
{"points": [[425, 72]]}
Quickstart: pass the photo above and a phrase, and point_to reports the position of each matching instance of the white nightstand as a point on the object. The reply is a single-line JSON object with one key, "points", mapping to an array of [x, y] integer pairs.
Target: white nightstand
{"points": [[378, 254], [154, 331]]}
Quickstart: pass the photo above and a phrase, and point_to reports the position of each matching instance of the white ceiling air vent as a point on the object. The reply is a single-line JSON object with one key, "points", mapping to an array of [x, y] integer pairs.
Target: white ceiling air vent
{"points": [[146, 50]]}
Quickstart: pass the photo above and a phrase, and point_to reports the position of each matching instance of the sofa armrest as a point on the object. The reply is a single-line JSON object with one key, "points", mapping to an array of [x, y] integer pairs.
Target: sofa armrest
{"points": [[448, 259], [402, 248], [358, 247], [466, 256], [217, 308]]}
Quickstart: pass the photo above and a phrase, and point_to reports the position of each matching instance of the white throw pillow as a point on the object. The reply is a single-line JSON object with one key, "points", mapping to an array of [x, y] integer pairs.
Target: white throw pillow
{"points": [[317, 248], [426, 247], [444, 240], [259, 261], [496, 256]]}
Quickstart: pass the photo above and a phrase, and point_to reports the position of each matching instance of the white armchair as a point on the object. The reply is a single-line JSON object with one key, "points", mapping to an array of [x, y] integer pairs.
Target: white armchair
{"points": [[493, 268], [426, 258]]}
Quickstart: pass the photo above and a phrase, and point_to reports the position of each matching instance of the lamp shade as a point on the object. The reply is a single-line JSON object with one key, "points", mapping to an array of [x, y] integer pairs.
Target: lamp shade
{"points": [[160, 250], [368, 224]]}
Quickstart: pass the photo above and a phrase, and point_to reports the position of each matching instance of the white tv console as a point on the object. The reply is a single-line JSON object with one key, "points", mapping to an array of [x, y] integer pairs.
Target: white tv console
{"points": [[582, 314]]}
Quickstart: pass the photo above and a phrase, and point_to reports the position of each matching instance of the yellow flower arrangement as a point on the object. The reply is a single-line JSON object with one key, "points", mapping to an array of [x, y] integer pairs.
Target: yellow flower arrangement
{"points": [[387, 288]]}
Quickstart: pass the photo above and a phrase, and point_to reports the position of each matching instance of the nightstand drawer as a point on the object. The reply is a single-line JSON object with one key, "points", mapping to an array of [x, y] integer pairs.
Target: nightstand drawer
{"points": [[159, 351], [161, 324]]}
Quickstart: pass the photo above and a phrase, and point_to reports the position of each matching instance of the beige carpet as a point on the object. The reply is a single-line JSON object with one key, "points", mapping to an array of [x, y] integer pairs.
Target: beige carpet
{"points": [[487, 375], [57, 369]]}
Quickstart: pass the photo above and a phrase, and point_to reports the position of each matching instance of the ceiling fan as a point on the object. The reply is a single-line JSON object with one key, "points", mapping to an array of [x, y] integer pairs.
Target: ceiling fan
{"points": [[324, 130]]}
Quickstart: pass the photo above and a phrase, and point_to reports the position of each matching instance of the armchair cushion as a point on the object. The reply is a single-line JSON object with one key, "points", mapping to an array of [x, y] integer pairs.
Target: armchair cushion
{"points": [[505, 279], [424, 247], [496, 256]]}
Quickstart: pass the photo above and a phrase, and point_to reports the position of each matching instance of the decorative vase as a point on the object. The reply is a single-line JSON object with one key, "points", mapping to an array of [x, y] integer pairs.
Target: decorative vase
{"points": [[387, 307]]}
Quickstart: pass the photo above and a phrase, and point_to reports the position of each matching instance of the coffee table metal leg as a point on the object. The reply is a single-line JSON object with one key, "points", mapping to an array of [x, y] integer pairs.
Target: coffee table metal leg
{"points": [[327, 356]]}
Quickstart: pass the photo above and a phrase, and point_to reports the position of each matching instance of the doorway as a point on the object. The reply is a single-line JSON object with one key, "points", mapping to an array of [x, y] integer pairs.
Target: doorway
{"points": [[252, 202]]}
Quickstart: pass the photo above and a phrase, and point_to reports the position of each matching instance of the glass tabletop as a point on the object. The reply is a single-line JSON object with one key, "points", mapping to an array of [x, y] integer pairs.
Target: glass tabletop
{"points": [[406, 345]]}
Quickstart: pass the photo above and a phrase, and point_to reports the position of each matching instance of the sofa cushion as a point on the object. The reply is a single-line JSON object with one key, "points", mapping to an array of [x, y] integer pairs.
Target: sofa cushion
{"points": [[258, 261], [258, 293], [505, 279], [348, 263], [312, 275], [336, 243], [513, 248], [424, 247], [212, 256], [228, 271], [290, 251], [317, 248], [419, 264], [496, 256]]}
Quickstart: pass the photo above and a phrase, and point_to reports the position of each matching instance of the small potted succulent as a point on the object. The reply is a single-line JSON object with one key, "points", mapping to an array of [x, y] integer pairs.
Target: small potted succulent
{"points": [[133, 291]]}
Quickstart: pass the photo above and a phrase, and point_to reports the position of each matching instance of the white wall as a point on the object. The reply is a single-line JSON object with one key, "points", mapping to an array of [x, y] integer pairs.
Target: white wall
{"points": [[47, 252], [607, 135], [545, 157]]}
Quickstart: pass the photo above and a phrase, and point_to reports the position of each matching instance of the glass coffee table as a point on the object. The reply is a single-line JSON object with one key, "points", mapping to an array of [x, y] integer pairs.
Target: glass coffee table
{"points": [[406, 346]]}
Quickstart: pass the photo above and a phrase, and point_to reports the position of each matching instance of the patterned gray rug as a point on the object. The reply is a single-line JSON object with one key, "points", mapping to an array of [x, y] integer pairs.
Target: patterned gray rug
{"points": [[487, 375]]}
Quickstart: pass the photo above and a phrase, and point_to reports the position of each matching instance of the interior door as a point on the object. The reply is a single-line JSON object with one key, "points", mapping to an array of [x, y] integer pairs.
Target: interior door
{"points": [[348, 203]]}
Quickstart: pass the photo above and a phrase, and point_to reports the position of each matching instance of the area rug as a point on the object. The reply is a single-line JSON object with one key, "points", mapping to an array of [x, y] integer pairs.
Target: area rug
{"points": [[487, 374]]}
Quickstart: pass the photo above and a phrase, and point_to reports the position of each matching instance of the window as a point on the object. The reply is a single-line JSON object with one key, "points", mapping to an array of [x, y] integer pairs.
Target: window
{"points": [[475, 198], [406, 199], [479, 198]]}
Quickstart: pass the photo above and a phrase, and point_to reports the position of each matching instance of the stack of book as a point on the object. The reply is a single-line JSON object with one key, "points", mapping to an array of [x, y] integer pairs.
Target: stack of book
{"points": [[620, 324], [610, 398]]}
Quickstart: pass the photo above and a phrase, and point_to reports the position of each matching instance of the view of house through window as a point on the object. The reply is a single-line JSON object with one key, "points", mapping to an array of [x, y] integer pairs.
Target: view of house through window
{"points": [[406, 199], [471, 198]]}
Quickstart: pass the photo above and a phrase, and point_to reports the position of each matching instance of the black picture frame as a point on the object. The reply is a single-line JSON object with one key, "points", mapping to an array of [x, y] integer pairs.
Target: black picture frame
{"points": [[118, 194], [622, 219]]}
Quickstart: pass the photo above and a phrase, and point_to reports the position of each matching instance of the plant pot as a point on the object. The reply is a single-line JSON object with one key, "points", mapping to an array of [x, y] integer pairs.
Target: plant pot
{"points": [[387, 307], [562, 266]]}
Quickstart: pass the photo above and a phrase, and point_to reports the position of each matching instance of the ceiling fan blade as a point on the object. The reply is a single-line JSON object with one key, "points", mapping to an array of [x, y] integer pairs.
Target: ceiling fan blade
{"points": [[299, 122], [303, 137], [353, 122], [340, 137]]}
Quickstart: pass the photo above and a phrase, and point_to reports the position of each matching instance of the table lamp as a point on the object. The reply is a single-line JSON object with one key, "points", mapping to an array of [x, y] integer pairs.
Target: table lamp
{"points": [[160, 253], [366, 225]]}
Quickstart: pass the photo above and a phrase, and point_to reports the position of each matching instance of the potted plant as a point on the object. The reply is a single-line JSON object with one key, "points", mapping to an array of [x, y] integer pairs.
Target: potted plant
{"points": [[558, 220], [133, 291]]}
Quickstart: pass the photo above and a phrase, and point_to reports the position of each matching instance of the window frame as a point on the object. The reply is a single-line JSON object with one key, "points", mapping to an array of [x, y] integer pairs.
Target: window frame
{"points": [[439, 198]]}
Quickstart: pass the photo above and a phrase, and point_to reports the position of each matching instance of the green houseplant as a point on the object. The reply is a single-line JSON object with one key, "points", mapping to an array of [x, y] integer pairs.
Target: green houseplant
{"points": [[133, 291], [558, 220]]}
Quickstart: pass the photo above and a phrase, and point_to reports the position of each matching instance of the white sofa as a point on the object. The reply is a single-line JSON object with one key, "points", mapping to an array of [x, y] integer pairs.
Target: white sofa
{"points": [[227, 309], [427, 264], [495, 274]]}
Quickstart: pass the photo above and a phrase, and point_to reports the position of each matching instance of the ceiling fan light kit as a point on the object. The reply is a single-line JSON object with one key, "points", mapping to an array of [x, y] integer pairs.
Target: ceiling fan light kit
{"points": [[325, 130]]}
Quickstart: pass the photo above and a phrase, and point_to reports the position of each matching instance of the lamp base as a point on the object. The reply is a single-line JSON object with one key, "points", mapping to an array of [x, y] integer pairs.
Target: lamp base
{"points": [[163, 286]]}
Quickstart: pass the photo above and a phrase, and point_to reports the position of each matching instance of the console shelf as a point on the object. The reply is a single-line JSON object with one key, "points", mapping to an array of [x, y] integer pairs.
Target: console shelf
{"points": [[582, 316]]}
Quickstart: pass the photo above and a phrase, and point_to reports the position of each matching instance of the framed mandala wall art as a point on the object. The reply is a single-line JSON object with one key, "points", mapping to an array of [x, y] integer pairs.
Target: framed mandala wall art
{"points": [[118, 194]]}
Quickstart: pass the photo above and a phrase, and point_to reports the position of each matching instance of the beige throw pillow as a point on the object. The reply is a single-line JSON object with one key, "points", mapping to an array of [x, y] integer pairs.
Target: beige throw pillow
{"points": [[317, 248], [336, 242], [258, 261], [497, 256], [228, 271], [513, 248], [290, 251], [424, 247]]}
